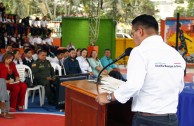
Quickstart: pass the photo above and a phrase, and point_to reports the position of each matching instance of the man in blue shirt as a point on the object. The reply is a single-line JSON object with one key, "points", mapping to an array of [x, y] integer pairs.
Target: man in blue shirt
{"points": [[105, 60], [71, 64], [112, 69]]}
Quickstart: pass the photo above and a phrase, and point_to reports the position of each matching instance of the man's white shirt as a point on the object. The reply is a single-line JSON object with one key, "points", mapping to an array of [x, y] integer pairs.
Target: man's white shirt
{"points": [[49, 41], [155, 77], [35, 23], [43, 23]]}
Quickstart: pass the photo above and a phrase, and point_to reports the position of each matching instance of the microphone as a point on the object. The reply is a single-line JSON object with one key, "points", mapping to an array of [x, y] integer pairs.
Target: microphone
{"points": [[126, 53]]}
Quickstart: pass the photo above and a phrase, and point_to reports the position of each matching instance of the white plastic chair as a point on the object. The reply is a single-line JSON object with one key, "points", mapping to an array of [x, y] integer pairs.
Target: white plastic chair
{"points": [[21, 70], [57, 67]]}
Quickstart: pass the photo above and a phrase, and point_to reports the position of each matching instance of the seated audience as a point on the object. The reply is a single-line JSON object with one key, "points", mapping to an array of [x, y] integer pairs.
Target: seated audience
{"points": [[78, 52], [17, 89], [84, 63], [14, 40], [58, 59], [26, 46], [38, 41], [28, 60], [49, 40], [96, 64], [71, 64], [105, 60], [35, 56], [65, 54], [44, 75], [4, 40], [4, 100], [43, 25], [112, 69], [9, 49], [17, 57]]}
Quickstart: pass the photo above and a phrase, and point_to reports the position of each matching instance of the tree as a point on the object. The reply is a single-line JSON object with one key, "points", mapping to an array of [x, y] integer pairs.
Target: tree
{"points": [[180, 10], [119, 10], [126, 10], [190, 9], [179, 1], [137, 7], [21, 8]]}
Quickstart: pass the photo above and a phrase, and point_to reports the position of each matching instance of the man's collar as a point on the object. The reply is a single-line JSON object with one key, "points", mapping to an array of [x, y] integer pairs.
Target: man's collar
{"points": [[28, 59], [107, 57]]}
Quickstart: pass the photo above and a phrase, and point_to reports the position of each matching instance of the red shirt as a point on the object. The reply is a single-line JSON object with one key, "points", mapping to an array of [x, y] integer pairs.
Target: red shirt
{"points": [[4, 70]]}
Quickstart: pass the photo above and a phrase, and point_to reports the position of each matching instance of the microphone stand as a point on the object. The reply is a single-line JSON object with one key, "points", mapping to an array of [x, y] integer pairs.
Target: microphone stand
{"points": [[98, 78], [126, 53]]}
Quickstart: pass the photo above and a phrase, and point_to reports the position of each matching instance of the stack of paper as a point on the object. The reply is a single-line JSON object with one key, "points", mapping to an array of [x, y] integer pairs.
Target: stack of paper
{"points": [[109, 84]]}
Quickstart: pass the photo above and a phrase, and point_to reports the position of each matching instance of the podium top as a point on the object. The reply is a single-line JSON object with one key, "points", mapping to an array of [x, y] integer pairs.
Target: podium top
{"points": [[83, 86]]}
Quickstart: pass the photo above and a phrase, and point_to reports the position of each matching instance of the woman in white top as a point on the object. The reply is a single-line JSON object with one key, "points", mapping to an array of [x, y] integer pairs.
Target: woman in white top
{"points": [[17, 57], [83, 62], [49, 40]]}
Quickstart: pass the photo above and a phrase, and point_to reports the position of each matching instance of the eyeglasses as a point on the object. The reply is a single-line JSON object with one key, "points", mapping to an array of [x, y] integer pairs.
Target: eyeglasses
{"points": [[132, 33]]}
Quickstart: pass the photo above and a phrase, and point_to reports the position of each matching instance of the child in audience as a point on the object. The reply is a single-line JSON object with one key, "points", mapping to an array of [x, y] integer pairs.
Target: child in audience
{"points": [[28, 60], [17, 57]]}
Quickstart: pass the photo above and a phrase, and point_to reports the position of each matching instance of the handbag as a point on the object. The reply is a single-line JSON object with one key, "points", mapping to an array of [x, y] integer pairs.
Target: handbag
{"points": [[28, 79]]}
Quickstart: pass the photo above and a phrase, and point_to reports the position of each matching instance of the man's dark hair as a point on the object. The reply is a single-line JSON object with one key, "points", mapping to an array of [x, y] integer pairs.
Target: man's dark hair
{"points": [[106, 50], [71, 49], [27, 50], [58, 52], [79, 49], [40, 51], [64, 50], [147, 21]]}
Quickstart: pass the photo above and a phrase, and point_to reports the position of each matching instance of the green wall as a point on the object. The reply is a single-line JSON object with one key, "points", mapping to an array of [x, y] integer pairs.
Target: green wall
{"points": [[106, 37], [76, 30]]}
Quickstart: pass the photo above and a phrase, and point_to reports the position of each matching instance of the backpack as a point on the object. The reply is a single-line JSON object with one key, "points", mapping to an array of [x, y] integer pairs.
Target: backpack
{"points": [[28, 79]]}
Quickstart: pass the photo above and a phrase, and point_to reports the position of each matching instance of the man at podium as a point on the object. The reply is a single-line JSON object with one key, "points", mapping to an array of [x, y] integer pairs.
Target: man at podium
{"points": [[155, 74]]}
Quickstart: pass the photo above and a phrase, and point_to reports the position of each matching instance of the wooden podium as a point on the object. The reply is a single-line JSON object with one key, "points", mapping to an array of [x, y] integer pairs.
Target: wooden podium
{"points": [[81, 109]]}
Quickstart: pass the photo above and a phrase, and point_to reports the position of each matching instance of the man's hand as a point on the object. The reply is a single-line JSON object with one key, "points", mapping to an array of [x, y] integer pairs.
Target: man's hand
{"points": [[53, 78], [49, 78], [116, 69], [102, 99], [11, 80], [91, 74], [17, 79]]}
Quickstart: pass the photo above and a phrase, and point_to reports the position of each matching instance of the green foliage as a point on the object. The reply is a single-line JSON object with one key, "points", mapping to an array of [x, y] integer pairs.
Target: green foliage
{"points": [[137, 7], [189, 11], [180, 10], [21, 10], [179, 1], [119, 10]]}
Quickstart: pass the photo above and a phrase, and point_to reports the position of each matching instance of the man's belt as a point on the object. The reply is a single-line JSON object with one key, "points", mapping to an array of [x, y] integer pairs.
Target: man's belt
{"points": [[151, 114]]}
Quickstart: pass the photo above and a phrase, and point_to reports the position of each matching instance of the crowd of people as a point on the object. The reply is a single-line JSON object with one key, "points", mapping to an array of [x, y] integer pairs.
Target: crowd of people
{"points": [[71, 61], [18, 32], [155, 71]]}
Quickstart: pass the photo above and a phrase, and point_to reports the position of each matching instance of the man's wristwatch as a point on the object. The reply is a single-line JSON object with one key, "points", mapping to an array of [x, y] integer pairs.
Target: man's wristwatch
{"points": [[109, 97]]}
